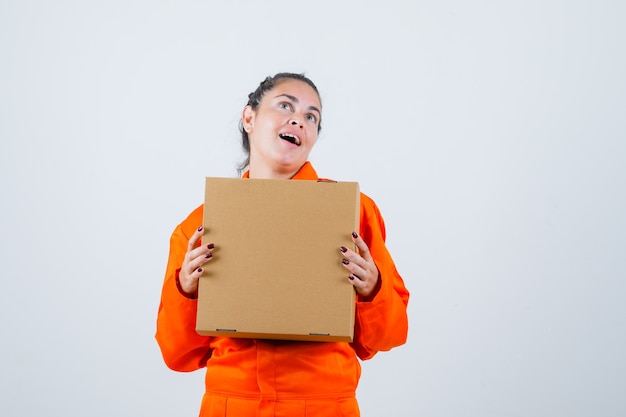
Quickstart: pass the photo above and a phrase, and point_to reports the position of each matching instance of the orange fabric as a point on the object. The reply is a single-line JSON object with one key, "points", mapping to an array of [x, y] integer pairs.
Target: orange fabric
{"points": [[282, 377]]}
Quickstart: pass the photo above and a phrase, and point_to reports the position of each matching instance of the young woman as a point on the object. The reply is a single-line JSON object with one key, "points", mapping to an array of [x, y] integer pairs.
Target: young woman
{"points": [[253, 377]]}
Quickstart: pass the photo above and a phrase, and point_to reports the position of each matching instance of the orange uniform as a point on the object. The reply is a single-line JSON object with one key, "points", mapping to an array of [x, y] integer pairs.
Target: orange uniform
{"points": [[252, 377]]}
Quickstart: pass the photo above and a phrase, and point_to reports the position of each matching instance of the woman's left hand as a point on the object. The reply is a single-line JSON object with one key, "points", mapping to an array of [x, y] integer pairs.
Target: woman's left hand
{"points": [[364, 274]]}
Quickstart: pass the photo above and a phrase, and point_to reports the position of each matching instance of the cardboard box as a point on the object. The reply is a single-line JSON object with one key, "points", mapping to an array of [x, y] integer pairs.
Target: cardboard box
{"points": [[276, 271]]}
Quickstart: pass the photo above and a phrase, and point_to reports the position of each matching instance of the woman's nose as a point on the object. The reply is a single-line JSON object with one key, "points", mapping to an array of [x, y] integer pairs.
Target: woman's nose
{"points": [[295, 122]]}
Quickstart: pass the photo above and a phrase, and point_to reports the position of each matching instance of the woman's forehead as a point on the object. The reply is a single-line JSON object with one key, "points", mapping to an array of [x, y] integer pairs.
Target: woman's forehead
{"points": [[296, 90]]}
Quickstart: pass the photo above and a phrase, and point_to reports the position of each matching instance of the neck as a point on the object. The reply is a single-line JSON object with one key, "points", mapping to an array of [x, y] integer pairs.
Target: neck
{"points": [[262, 172]]}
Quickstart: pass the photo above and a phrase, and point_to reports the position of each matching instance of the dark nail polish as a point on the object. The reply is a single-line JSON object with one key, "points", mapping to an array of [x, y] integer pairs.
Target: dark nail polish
{"points": [[351, 277], [343, 249], [199, 269], [200, 229], [354, 235], [210, 246], [208, 255], [345, 261]]}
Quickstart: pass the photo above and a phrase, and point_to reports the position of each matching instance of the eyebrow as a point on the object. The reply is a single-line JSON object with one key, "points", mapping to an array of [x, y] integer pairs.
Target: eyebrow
{"points": [[295, 100]]}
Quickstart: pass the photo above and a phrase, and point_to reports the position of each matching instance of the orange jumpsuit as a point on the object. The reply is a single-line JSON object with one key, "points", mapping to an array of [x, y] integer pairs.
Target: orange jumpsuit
{"points": [[252, 377]]}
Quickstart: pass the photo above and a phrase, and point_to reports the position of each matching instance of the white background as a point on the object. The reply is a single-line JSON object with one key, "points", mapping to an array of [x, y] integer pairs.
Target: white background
{"points": [[492, 134]]}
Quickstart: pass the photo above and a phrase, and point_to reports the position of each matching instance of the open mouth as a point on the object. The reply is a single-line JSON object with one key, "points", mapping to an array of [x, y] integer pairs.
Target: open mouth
{"points": [[290, 138]]}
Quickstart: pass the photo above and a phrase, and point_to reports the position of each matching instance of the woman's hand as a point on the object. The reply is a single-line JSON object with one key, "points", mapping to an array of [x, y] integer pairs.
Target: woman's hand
{"points": [[364, 274], [195, 258]]}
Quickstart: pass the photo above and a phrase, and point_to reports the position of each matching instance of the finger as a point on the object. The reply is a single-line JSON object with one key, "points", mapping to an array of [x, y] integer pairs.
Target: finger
{"points": [[354, 277], [195, 238], [357, 265], [198, 262], [204, 251], [355, 281], [353, 258], [189, 285], [359, 285], [364, 250], [353, 267], [195, 273]]}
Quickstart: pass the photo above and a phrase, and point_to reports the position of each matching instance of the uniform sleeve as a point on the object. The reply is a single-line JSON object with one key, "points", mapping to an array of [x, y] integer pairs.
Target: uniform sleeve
{"points": [[381, 323], [182, 348]]}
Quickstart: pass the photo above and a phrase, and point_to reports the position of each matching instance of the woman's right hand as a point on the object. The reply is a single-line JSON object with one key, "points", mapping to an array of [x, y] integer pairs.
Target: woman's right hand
{"points": [[195, 258]]}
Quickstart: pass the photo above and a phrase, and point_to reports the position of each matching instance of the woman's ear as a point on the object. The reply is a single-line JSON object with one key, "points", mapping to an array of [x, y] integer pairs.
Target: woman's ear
{"points": [[247, 119]]}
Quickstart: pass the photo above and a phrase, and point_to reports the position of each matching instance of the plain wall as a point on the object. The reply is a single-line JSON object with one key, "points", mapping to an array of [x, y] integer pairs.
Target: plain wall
{"points": [[491, 134]]}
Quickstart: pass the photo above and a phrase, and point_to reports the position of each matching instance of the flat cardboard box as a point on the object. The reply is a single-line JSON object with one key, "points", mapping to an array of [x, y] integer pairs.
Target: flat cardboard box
{"points": [[276, 271]]}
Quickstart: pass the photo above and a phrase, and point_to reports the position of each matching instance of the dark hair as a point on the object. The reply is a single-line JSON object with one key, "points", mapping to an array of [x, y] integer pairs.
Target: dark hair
{"points": [[254, 100]]}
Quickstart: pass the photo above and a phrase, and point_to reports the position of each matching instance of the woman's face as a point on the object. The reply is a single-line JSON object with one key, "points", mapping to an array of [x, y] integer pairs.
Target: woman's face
{"points": [[283, 129]]}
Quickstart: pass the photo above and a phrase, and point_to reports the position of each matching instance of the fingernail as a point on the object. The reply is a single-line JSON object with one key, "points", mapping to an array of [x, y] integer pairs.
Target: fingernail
{"points": [[354, 235], [208, 255], [200, 229], [343, 249], [210, 246], [199, 269], [345, 261], [351, 277]]}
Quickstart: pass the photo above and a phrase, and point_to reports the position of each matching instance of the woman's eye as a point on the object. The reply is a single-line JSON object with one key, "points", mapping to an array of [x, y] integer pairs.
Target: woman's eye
{"points": [[311, 118], [285, 106]]}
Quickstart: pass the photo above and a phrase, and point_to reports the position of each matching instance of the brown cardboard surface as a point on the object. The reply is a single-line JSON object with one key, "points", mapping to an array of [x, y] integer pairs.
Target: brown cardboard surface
{"points": [[276, 271]]}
